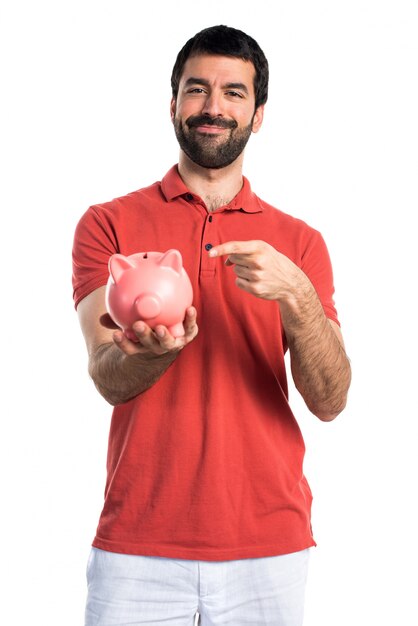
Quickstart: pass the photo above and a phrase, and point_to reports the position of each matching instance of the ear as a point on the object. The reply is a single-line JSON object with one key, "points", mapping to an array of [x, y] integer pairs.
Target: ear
{"points": [[258, 118], [118, 264], [173, 109], [172, 258]]}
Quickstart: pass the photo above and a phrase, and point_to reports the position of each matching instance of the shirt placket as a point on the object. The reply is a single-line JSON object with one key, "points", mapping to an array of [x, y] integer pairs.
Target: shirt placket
{"points": [[210, 238]]}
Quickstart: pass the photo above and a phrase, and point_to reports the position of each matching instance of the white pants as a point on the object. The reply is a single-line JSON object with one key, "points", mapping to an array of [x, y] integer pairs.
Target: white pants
{"points": [[125, 589]]}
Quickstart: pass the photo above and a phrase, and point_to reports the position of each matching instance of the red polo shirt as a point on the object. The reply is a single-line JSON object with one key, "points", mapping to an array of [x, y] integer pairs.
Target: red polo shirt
{"points": [[207, 463]]}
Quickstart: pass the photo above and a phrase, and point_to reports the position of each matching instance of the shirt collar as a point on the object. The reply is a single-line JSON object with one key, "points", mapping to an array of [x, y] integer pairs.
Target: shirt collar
{"points": [[173, 186]]}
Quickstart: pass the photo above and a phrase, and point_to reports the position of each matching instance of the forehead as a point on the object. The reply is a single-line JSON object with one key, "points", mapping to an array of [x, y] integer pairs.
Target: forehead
{"points": [[217, 69]]}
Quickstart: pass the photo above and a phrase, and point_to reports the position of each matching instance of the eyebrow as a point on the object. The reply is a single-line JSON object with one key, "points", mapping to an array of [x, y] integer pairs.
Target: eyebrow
{"points": [[202, 81]]}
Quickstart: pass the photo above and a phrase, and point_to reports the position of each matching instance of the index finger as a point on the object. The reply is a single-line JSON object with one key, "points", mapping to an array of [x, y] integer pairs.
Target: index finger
{"points": [[233, 247]]}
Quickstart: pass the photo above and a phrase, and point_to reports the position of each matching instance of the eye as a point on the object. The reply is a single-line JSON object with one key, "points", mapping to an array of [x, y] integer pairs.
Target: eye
{"points": [[196, 90], [234, 94]]}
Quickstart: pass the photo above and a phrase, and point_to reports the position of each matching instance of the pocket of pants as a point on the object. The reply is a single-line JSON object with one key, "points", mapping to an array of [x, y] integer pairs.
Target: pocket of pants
{"points": [[89, 565]]}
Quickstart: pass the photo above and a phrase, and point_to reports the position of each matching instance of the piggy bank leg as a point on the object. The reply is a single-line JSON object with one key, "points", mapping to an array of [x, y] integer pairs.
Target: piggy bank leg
{"points": [[176, 330]]}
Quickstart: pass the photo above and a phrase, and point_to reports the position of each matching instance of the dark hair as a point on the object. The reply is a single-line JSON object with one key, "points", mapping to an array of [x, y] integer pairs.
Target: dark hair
{"points": [[225, 41]]}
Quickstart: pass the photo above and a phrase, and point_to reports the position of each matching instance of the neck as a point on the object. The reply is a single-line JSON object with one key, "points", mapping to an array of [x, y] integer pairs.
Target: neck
{"points": [[215, 187]]}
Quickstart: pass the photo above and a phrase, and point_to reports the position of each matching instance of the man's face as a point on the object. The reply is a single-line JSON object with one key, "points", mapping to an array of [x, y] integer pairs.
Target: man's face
{"points": [[214, 113]]}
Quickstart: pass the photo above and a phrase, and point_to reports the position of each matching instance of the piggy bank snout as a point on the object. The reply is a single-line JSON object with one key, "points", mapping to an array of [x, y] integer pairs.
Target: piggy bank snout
{"points": [[148, 306]]}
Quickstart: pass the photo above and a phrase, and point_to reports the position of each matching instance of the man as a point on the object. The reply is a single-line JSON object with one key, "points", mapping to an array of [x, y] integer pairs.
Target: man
{"points": [[206, 506]]}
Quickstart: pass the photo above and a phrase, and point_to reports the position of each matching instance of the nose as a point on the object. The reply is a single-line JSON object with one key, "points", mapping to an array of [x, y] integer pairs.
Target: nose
{"points": [[212, 105]]}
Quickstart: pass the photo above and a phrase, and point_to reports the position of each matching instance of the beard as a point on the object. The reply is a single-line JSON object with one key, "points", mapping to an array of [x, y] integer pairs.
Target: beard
{"points": [[209, 150]]}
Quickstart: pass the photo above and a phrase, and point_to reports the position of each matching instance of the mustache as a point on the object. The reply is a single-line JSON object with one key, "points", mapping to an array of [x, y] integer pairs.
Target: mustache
{"points": [[205, 120]]}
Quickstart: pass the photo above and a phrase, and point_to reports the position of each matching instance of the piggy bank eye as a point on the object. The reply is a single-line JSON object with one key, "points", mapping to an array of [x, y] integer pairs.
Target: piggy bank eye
{"points": [[145, 255]]}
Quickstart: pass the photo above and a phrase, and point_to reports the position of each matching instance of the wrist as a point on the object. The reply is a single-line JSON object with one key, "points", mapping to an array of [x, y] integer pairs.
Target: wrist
{"points": [[299, 301]]}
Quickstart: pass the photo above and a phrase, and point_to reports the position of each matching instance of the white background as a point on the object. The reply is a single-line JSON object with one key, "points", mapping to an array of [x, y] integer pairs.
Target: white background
{"points": [[85, 118]]}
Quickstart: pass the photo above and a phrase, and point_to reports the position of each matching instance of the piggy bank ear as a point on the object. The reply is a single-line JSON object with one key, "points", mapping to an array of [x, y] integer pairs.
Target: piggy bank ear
{"points": [[118, 264], [172, 258]]}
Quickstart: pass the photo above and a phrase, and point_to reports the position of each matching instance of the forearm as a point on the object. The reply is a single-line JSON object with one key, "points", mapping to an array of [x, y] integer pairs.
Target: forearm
{"points": [[320, 367], [119, 377]]}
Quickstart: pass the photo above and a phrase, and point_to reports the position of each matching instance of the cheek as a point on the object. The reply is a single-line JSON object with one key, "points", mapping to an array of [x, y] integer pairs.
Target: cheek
{"points": [[180, 111], [185, 110], [243, 117], [177, 113]]}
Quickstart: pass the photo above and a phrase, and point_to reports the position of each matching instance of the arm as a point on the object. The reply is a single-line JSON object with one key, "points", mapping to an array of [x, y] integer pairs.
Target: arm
{"points": [[320, 367], [120, 368]]}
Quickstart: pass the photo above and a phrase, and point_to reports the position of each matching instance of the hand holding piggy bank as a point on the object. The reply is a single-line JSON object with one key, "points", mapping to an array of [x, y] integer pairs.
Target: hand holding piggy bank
{"points": [[149, 286]]}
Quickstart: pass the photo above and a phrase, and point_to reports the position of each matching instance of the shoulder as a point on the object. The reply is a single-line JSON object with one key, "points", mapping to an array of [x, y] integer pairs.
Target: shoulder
{"points": [[130, 201], [279, 215], [121, 210], [290, 226]]}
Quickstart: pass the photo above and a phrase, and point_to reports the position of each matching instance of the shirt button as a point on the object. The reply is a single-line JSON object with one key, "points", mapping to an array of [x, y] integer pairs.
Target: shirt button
{"points": [[208, 246], [189, 197]]}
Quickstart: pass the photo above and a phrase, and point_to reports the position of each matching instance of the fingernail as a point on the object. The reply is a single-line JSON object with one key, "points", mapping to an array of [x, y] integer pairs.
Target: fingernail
{"points": [[160, 332], [213, 252]]}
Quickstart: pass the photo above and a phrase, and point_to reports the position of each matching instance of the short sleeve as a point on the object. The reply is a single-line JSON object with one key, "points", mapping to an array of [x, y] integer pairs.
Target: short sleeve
{"points": [[316, 264], [94, 243]]}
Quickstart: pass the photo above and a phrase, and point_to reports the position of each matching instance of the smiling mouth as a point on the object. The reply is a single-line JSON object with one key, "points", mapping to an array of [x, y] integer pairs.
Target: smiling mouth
{"points": [[210, 130]]}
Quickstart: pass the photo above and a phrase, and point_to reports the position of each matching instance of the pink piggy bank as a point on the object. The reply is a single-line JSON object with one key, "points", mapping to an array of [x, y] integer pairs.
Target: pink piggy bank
{"points": [[149, 286]]}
